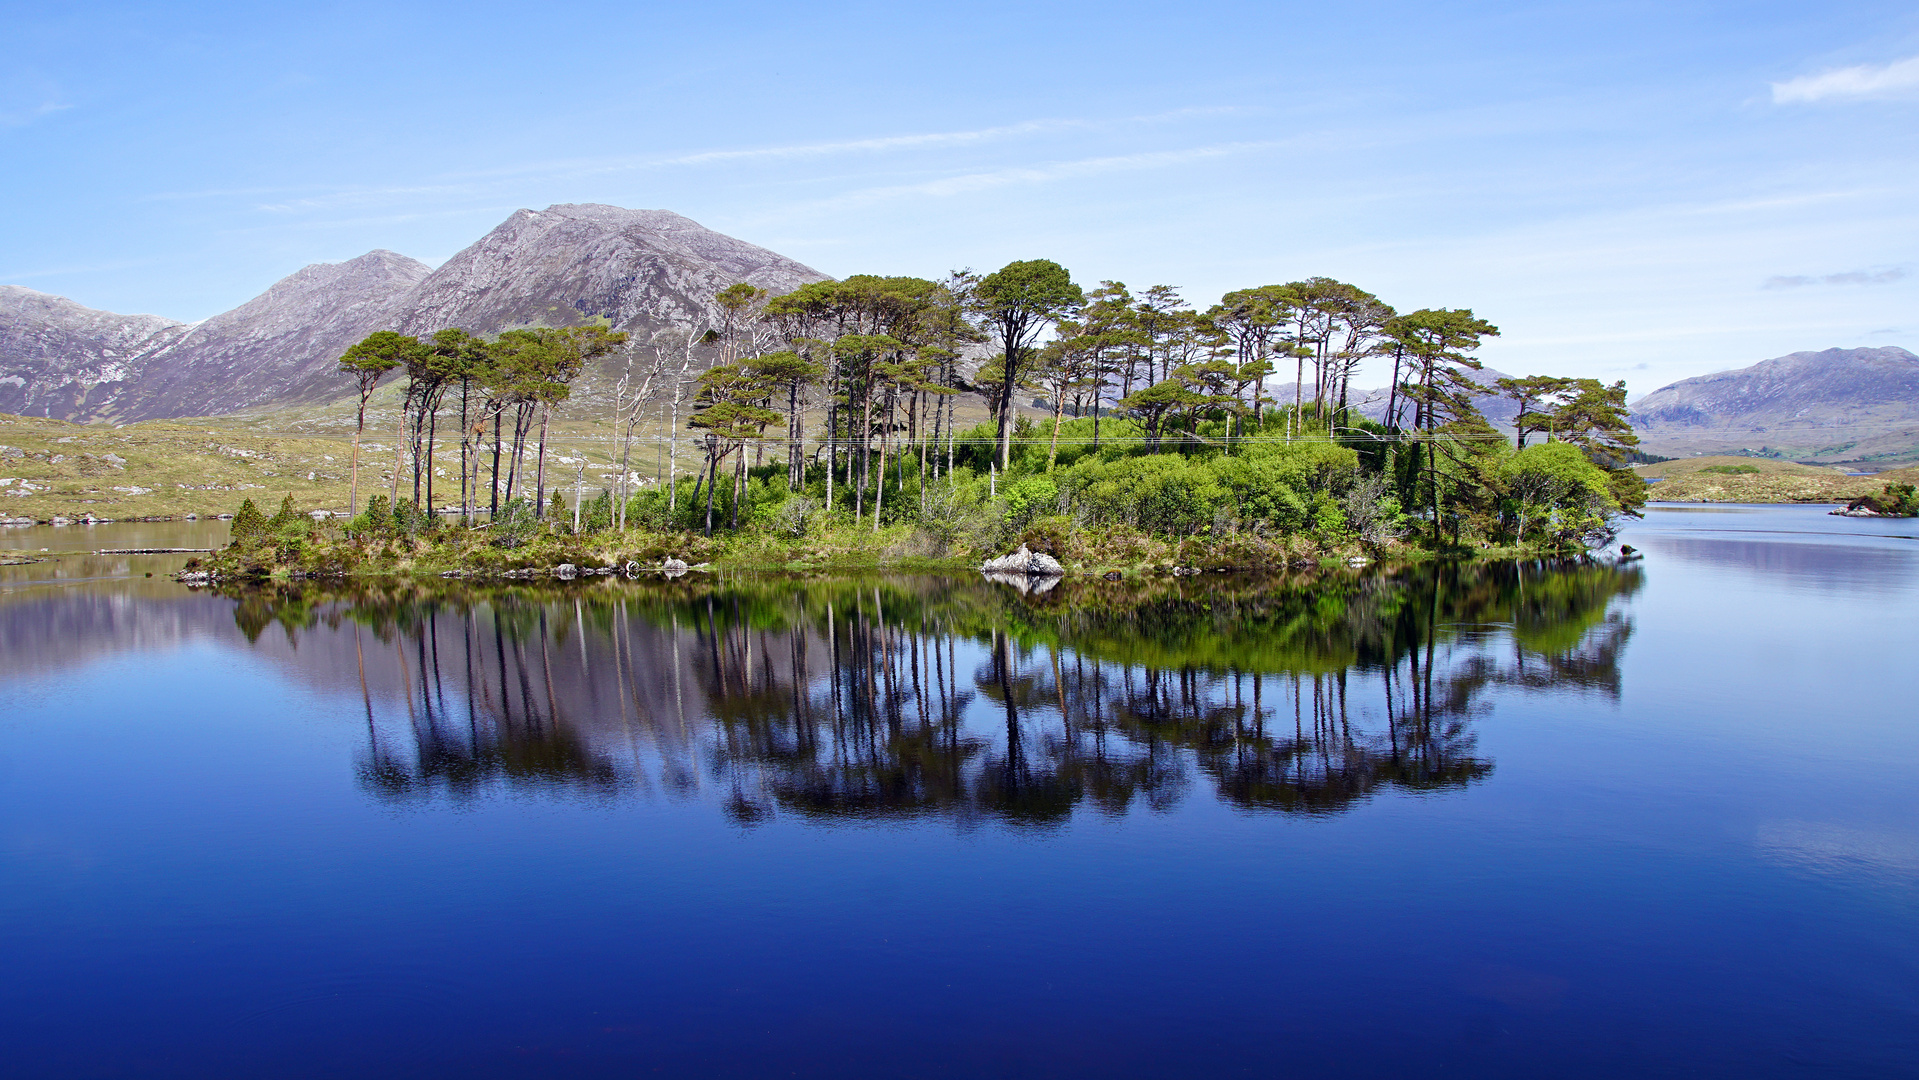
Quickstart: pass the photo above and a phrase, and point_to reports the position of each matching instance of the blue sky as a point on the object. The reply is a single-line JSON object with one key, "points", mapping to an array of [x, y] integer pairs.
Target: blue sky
{"points": [[1630, 190]]}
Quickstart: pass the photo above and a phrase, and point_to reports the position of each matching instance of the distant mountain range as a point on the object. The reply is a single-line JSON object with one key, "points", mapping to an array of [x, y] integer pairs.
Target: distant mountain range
{"points": [[647, 270], [1831, 406], [639, 270]]}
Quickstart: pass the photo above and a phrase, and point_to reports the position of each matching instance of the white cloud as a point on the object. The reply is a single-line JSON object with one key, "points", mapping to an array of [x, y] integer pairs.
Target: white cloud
{"points": [[1858, 81]]}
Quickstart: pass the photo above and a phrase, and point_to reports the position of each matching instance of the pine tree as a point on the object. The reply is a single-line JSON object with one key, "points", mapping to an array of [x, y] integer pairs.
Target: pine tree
{"points": [[249, 524]]}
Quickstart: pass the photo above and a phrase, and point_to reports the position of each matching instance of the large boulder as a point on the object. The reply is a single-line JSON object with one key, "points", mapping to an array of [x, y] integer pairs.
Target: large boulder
{"points": [[1023, 561]]}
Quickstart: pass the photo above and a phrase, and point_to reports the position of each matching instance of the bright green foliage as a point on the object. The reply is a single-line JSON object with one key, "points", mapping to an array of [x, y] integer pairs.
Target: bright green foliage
{"points": [[1028, 498], [1557, 496], [249, 525], [597, 514], [1156, 493], [1731, 470]]}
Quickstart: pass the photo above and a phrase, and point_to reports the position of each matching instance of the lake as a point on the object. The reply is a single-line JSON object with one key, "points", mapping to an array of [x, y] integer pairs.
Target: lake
{"points": [[1654, 818]]}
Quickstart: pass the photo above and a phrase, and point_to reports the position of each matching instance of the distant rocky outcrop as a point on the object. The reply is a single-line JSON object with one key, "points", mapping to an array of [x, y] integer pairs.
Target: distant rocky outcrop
{"points": [[1832, 405], [637, 270]]}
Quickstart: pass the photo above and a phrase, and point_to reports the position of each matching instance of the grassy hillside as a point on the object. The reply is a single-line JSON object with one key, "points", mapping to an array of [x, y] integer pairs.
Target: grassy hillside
{"points": [[1758, 480], [206, 465]]}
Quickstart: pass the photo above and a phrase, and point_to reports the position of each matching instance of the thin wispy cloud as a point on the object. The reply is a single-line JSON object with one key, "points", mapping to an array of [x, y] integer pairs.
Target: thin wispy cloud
{"points": [[1849, 277], [1042, 174], [21, 117], [1898, 78], [475, 183]]}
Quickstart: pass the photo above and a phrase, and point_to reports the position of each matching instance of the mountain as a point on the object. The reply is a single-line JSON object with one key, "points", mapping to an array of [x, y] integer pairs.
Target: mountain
{"points": [[55, 353], [637, 270], [1834, 405], [1372, 404], [62, 360], [640, 270]]}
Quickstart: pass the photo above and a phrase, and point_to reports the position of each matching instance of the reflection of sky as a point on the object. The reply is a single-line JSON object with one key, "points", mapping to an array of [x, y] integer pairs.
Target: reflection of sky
{"points": [[1795, 547], [1708, 874]]}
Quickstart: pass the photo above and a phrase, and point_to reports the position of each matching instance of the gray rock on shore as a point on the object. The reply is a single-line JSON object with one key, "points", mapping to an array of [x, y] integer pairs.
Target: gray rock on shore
{"points": [[1031, 563]]}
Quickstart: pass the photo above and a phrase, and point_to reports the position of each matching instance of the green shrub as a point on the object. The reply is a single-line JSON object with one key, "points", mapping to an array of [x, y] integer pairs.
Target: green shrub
{"points": [[597, 514], [409, 519], [249, 525], [1731, 470], [515, 524], [286, 516]]}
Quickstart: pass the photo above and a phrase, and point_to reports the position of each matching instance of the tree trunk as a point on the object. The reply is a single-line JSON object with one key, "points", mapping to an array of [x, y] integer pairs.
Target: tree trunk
{"points": [[739, 486], [712, 481], [399, 451], [432, 433], [353, 488], [1052, 452], [493, 509], [539, 467]]}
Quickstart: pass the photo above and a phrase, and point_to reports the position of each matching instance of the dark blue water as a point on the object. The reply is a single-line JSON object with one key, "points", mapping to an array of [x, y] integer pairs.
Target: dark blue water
{"points": [[1657, 819]]}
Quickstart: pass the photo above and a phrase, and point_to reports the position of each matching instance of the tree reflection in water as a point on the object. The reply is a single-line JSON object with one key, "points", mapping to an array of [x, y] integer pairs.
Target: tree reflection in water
{"points": [[956, 697]]}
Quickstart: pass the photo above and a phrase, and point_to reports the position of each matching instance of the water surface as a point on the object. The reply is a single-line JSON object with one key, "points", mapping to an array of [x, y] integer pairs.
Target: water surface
{"points": [[1588, 820]]}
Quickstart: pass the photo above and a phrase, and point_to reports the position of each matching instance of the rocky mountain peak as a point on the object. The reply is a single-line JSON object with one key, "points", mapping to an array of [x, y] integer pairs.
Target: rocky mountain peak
{"points": [[637, 270], [573, 263]]}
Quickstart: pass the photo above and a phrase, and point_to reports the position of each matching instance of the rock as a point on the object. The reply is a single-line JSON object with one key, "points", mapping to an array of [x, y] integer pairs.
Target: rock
{"points": [[672, 564], [566, 571], [1112, 575], [1024, 561], [631, 568], [1863, 507]]}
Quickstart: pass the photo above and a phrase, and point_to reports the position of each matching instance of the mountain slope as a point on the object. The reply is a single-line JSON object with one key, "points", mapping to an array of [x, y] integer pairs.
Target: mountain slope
{"points": [[282, 345], [637, 270], [58, 357], [1837, 404], [61, 360]]}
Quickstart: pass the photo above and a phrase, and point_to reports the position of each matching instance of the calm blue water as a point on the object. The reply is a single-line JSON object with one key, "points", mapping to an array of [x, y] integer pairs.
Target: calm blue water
{"points": [[1650, 820]]}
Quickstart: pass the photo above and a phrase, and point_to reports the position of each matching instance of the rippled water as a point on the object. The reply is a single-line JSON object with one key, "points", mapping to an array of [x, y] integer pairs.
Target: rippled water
{"points": [[1519, 820]]}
